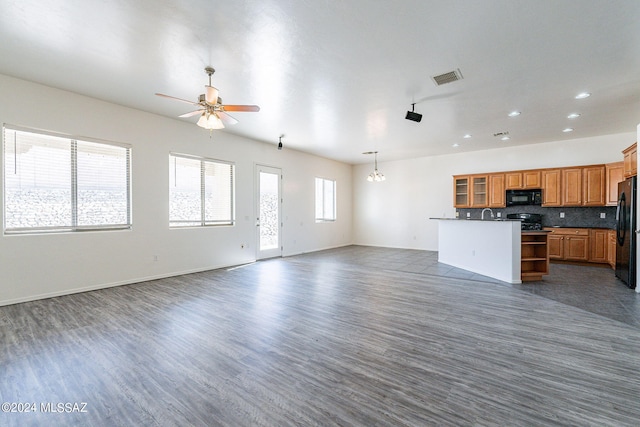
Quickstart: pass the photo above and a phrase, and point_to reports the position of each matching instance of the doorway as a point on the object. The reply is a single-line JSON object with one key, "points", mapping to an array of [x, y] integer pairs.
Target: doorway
{"points": [[268, 202]]}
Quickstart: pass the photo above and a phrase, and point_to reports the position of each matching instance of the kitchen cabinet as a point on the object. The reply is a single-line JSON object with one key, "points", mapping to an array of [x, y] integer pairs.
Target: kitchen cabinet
{"points": [[568, 244], [479, 188], [611, 248], [594, 185], [534, 255], [571, 186], [599, 241], [630, 160], [614, 175], [496, 190], [461, 194], [551, 188], [530, 179], [473, 191]]}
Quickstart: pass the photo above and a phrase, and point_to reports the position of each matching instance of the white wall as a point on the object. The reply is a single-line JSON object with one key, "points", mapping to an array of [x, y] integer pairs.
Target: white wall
{"points": [[37, 266], [395, 212]]}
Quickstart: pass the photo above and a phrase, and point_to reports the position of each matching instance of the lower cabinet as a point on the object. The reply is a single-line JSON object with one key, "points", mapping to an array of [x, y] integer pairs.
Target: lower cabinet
{"points": [[582, 244], [569, 244], [611, 248], [534, 255]]}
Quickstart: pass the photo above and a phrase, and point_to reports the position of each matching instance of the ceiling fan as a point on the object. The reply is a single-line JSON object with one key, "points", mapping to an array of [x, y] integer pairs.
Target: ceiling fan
{"points": [[213, 114]]}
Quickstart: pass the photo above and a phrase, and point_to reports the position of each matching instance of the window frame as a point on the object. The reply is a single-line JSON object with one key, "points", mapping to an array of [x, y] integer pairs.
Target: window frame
{"points": [[323, 201], [203, 221], [74, 185]]}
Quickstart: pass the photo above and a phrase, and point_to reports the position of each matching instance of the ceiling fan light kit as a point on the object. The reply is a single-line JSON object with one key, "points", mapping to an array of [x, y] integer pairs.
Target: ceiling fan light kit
{"points": [[210, 121], [412, 115], [213, 113]]}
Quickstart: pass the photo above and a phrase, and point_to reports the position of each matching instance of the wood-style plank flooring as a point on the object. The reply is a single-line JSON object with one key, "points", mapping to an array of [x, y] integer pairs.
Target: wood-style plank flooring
{"points": [[347, 337]]}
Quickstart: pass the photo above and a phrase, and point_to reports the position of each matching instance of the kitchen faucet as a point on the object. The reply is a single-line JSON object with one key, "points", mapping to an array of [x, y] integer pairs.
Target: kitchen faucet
{"points": [[484, 210]]}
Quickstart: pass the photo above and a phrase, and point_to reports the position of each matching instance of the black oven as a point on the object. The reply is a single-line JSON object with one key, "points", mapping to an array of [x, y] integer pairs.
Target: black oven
{"points": [[524, 197]]}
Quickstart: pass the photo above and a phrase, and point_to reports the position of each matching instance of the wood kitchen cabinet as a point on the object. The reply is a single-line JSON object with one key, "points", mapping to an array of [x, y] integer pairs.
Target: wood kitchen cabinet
{"points": [[571, 186], [594, 185], [568, 244], [534, 255], [611, 248], [472, 191], [479, 191], [461, 195], [529, 179], [551, 189], [630, 160], [497, 191], [614, 174], [599, 241]]}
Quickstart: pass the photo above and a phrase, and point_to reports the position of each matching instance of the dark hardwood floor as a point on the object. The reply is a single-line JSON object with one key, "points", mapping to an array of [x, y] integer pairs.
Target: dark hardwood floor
{"points": [[353, 336]]}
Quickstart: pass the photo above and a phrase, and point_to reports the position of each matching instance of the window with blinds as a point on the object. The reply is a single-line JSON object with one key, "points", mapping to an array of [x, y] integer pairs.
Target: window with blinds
{"points": [[201, 192], [325, 200], [59, 183]]}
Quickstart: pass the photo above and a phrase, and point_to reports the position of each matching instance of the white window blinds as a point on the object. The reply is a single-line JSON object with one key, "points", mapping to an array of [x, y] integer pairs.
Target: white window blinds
{"points": [[325, 200], [58, 183], [201, 192]]}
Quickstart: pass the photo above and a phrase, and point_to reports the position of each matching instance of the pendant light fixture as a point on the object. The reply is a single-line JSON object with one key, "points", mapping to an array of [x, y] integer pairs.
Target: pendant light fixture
{"points": [[375, 176]]}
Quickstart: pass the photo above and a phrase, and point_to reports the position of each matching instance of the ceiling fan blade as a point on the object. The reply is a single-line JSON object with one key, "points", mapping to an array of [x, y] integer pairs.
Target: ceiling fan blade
{"points": [[177, 99], [242, 108], [226, 119], [211, 96], [192, 113]]}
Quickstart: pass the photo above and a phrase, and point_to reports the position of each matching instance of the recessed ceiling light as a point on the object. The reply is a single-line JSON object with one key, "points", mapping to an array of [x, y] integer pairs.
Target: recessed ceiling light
{"points": [[467, 136], [573, 116], [514, 113], [567, 130], [583, 95], [505, 138], [456, 145]]}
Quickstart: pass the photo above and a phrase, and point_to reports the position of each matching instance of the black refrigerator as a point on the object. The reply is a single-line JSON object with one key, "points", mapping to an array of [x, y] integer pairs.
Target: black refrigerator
{"points": [[626, 232]]}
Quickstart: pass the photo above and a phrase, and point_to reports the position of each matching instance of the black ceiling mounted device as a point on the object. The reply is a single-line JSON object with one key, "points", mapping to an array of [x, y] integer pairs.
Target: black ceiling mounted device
{"points": [[412, 115]]}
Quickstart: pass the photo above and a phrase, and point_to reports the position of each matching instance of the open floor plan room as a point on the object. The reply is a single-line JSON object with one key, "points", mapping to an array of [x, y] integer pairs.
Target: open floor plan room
{"points": [[323, 339]]}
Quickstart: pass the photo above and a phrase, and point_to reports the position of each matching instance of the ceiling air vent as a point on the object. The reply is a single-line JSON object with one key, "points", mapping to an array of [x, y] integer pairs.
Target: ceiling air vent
{"points": [[500, 134], [451, 76]]}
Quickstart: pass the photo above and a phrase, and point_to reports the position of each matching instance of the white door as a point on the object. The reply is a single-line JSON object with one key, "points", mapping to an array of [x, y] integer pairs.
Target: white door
{"points": [[268, 201]]}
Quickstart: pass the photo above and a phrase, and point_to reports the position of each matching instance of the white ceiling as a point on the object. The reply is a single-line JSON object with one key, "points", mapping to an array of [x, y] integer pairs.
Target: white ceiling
{"points": [[337, 77]]}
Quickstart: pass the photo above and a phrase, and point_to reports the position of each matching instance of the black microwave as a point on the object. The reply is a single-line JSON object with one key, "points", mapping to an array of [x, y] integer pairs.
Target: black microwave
{"points": [[524, 197]]}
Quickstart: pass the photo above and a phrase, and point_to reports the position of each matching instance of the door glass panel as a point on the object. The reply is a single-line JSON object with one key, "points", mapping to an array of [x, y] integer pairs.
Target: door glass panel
{"points": [[268, 211]]}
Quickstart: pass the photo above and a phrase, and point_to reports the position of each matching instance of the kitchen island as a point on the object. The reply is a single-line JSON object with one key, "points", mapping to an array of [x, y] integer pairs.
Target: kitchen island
{"points": [[488, 247]]}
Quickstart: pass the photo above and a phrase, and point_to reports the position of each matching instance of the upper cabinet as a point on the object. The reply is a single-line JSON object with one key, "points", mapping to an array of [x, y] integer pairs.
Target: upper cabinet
{"points": [[530, 179], [631, 161], [479, 188], [571, 186], [551, 188], [594, 185], [461, 195], [478, 191], [615, 174], [594, 189], [497, 190]]}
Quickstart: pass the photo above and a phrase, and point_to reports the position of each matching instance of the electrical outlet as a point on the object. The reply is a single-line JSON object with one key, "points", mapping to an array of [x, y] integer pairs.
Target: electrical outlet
{"points": [[468, 214], [499, 214], [603, 215], [561, 214]]}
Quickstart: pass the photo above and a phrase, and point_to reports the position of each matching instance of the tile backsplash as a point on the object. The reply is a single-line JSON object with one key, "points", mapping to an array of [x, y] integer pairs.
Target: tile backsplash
{"points": [[573, 216]]}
